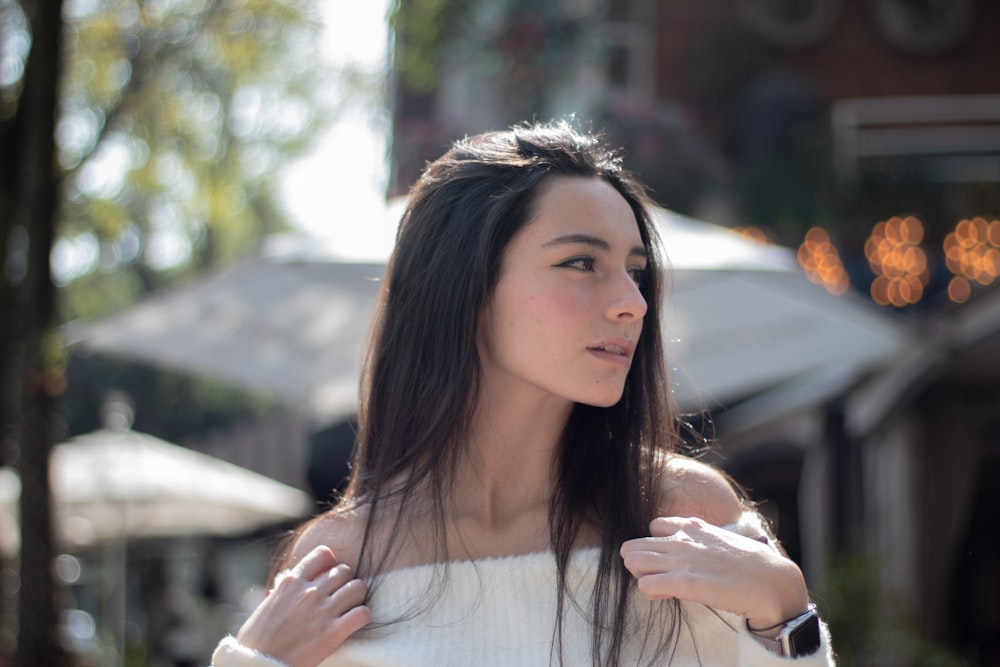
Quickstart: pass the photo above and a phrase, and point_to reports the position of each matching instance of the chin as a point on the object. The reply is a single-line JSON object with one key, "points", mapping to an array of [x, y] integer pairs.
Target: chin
{"points": [[602, 402]]}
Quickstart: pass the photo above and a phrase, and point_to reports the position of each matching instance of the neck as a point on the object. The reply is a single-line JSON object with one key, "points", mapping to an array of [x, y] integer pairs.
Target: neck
{"points": [[510, 463]]}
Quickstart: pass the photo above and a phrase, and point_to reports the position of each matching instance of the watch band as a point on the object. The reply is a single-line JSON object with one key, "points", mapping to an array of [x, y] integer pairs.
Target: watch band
{"points": [[798, 636]]}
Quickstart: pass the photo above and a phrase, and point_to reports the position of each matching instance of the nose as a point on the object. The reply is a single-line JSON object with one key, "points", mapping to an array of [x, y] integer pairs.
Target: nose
{"points": [[627, 302]]}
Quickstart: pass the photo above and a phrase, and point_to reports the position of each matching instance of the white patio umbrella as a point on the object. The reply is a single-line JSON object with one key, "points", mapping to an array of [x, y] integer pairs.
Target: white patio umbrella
{"points": [[283, 322], [292, 321], [112, 487], [741, 317], [123, 485]]}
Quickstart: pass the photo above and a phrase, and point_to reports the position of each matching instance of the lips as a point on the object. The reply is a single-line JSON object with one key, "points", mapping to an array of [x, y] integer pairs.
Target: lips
{"points": [[618, 346]]}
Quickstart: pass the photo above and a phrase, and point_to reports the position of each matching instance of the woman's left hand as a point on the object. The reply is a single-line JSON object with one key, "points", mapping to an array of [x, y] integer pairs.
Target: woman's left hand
{"points": [[691, 559]]}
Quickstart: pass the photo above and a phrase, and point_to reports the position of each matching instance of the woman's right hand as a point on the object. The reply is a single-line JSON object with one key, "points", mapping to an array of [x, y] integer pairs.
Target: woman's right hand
{"points": [[309, 614]]}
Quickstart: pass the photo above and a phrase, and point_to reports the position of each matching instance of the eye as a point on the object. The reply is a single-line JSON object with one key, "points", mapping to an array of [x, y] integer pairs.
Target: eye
{"points": [[579, 263], [637, 273]]}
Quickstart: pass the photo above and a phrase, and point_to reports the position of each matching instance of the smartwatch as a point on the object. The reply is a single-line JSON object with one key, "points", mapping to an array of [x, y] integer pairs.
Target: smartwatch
{"points": [[798, 636]]}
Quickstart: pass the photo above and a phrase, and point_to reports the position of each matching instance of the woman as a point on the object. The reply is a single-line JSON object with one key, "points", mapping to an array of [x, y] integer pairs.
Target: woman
{"points": [[517, 496]]}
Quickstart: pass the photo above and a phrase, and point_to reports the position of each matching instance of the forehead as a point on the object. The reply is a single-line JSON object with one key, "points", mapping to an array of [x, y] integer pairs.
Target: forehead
{"points": [[584, 205]]}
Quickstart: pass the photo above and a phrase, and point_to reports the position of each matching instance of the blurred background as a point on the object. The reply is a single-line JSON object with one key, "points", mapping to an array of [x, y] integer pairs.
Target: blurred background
{"points": [[197, 199]]}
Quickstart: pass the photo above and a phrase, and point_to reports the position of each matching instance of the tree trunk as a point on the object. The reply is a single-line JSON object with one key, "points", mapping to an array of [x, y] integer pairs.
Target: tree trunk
{"points": [[33, 185]]}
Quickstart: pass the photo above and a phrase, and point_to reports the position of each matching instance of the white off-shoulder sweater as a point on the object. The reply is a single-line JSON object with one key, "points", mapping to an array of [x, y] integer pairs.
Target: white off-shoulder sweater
{"points": [[501, 611]]}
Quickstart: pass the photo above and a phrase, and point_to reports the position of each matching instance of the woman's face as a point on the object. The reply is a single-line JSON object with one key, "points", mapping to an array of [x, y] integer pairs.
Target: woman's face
{"points": [[567, 312]]}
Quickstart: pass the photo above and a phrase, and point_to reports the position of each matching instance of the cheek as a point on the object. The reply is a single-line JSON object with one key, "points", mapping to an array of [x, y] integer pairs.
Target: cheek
{"points": [[550, 313], [569, 306], [536, 315]]}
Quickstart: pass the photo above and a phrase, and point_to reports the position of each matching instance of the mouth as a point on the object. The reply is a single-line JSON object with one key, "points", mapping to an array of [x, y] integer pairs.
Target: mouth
{"points": [[611, 349], [617, 349]]}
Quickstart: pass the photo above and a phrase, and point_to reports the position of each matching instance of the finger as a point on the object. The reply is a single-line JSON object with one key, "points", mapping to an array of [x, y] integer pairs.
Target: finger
{"points": [[643, 563], [656, 544], [640, 544], [667, 526], [350, 595], [349, 623], [336, 577], [682, 584], [314, 563]]}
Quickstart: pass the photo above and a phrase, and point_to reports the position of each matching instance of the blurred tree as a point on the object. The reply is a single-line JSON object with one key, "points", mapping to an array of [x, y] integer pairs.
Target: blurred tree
{"points": [[174, 117], [423, 29], [139, 143], [31, 377]]}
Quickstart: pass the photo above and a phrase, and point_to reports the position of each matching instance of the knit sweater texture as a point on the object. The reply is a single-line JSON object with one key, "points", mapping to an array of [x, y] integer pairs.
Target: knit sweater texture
{"points": [[497, 612]]}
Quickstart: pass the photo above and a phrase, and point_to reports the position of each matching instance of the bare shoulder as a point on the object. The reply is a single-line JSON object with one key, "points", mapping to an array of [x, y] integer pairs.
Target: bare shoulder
{"points": [[691, 488], [339, 529]]}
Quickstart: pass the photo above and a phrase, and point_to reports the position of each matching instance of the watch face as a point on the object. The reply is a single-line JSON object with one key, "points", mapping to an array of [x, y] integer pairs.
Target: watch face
{"points": [[804, 638]]}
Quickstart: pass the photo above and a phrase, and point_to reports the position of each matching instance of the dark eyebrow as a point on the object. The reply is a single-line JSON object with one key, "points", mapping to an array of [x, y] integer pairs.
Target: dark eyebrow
{"points": [[597, 242]]}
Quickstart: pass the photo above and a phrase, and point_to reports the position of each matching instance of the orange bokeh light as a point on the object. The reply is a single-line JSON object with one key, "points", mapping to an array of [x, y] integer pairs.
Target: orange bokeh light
{"points": [[820, 260], [893, 252], [959, 289], [972, 254], [753, 233]]}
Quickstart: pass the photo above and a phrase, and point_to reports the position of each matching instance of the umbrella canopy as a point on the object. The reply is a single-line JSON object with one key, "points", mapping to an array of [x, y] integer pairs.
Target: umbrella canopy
{"points": [[110, 485], [292, 321], [732, 334], [283, 322]]}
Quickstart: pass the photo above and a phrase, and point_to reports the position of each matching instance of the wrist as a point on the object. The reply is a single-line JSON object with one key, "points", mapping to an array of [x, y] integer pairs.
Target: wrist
{"points": [[794, 637], [785, 596], [770, 623]]}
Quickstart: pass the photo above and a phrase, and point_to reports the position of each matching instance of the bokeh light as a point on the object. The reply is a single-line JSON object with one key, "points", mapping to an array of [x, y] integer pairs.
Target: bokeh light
{"points": [[972, 253], [819, 258], [900, 264], [753, 233]]}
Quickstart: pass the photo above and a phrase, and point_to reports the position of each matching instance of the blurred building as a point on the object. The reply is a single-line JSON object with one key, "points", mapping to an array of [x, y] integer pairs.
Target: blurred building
{"points": [[886, 491], [776, 115], [866, 134]]}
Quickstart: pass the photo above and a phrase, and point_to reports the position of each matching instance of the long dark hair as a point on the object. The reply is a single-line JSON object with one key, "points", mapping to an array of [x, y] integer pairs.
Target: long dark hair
{"points": [[421, 380]]}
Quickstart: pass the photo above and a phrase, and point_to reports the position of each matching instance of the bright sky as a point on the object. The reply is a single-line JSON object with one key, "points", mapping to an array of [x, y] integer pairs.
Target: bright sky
{"points": [[338, 199], [326, 195]]}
